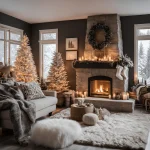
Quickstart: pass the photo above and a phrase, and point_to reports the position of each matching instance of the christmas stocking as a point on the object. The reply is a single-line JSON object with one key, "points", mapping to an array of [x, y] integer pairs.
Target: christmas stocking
{"points": [[118, 73], [125, 72]]}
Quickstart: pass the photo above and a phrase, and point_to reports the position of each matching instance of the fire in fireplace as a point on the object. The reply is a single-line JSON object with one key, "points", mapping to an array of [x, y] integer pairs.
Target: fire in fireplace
{"points": [[100, 86]]}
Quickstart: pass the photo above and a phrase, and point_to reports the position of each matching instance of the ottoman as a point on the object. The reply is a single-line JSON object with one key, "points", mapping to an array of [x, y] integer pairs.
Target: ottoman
{"points": [[55, 133], [90, 119]]}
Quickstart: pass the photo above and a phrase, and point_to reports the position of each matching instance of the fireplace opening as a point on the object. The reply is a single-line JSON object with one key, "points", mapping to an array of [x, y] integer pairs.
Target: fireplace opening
{"points": [[100, 86]]}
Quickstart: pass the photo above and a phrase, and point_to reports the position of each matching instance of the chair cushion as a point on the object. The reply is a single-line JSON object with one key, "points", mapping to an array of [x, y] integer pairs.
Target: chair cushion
{"points": [[44, 102]]}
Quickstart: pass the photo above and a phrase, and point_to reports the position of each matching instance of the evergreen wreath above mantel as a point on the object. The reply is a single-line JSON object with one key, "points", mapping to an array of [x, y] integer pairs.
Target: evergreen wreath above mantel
{"points": [[99, 36]]}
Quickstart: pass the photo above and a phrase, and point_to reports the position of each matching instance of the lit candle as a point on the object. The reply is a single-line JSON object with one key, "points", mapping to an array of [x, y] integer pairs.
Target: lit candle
{"points": [[104, 58], [77, 93], [80, 58], [109, 96], [114, 96], [95, 58], [124, 96], [85, 94], [82, 95], [127, 95]]}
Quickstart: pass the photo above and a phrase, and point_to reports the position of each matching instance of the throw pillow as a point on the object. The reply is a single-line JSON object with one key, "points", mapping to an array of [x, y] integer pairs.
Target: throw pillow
{"points": [[31, 90]]}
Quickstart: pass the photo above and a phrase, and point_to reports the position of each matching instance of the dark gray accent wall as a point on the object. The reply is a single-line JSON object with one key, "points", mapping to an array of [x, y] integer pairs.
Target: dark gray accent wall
{"points": [[66, 29], [127, 25], [16, 23]]}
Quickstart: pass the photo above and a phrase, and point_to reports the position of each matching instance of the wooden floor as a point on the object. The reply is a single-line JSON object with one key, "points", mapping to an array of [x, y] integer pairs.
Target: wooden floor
{"points": [[7, 142]]}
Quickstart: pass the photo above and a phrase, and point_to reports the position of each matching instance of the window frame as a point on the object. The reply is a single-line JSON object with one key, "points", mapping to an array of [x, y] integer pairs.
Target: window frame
{"points": [[6, 28], [136, 38], [41, 42]]}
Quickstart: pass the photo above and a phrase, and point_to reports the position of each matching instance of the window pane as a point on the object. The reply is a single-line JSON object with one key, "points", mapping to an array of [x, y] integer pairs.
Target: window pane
{"points": [[48, 50], [13, 53], [1, 34], [144, 60], [2, 51], [49, 36], [142, 32], [15, 37]]}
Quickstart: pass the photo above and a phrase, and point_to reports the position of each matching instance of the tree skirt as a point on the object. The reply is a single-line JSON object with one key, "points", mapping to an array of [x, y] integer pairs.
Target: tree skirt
{"points": [[120, 130]]}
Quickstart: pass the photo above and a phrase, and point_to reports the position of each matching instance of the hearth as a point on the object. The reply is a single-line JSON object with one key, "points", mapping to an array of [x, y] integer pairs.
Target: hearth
{"points": [[100, 86]]}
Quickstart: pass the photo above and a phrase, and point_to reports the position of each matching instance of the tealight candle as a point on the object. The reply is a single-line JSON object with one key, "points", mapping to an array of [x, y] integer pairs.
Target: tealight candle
{"points": [[109, 96], [124, 96], [114, 96]]}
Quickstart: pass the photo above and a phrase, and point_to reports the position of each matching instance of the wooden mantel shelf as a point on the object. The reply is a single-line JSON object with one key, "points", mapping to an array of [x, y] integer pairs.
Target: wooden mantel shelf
{"points": [[94, 64]]}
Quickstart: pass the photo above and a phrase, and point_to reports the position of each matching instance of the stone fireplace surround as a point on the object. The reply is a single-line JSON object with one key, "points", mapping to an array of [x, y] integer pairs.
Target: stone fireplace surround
{"points": [[82, 75], [84, 71]]}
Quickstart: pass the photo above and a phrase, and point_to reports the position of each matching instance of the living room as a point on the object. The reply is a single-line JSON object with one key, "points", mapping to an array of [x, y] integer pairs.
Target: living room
{"points": [[75, 74]]}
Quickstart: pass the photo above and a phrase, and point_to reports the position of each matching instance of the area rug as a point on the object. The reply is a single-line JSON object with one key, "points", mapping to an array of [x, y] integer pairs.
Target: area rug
{"points": [[119, 130]]}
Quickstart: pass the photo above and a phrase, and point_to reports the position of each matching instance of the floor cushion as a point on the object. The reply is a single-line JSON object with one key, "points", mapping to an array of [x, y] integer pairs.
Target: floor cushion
{"points": [[90, 119], [55, 133]]}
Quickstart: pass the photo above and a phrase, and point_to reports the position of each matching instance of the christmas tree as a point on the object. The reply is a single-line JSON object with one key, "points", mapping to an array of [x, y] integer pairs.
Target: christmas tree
{"points": [[25, 68], [57, 75]]}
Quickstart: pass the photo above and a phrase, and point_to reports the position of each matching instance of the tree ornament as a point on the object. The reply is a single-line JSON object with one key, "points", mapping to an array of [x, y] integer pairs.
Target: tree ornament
{"points": [[95, 38], [25, 68], [57, 77]]}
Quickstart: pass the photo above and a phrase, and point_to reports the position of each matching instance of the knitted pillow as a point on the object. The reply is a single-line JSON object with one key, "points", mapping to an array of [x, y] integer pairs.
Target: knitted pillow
{"points": [[31, 90]]}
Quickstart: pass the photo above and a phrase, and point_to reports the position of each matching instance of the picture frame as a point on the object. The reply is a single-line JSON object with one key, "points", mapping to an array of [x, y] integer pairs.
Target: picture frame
{"points": [[71, 43], [71, 55]]}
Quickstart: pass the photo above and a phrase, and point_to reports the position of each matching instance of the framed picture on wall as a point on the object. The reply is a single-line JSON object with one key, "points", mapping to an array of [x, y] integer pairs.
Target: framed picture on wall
{"points": [[71, 43], [71, 55]]}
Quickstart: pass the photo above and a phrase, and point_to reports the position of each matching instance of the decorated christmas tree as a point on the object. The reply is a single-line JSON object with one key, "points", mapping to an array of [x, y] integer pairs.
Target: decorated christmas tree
{"points": [[57, 74], [25, 68]]}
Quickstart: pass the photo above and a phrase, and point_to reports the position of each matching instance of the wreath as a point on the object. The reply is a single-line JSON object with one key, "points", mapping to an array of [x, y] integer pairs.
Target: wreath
{"points": [[92, 36]]}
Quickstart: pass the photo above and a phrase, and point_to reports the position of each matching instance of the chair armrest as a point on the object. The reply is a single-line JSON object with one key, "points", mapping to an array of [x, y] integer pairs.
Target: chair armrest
{"points": [[50, 93]]}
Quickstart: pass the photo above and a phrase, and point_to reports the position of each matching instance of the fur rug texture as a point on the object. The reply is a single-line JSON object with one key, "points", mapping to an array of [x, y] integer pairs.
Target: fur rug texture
{"points": [[119, 130], [56, 133]]}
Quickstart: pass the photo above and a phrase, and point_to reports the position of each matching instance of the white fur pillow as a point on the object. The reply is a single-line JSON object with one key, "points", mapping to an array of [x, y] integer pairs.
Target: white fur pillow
{"points": [[56, 133]]}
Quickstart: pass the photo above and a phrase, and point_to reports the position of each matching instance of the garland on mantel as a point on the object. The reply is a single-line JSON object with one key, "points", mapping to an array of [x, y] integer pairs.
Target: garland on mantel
{"points": [[92, 34]]}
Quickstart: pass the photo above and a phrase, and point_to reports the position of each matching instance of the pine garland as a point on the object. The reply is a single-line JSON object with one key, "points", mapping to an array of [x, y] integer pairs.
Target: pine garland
{"points": [[92, 34]]}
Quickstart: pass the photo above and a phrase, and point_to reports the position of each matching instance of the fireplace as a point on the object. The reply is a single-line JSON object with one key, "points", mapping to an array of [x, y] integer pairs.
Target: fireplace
{"points": [[100, 86]]}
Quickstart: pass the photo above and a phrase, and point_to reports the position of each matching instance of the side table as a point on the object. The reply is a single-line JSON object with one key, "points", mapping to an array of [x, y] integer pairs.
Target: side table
{"points": [[77, 111]]}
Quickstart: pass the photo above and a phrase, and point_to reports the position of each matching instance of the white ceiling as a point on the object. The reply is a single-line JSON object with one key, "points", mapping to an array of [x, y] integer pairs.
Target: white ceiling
{"points": [[36, 11]]}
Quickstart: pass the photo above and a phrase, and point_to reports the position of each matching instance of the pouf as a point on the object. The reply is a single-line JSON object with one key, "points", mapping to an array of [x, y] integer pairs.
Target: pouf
{"points": [[90, 119], [55, 133]]}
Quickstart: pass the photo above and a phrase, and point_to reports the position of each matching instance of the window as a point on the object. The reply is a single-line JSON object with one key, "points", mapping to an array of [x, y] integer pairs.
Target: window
{"points": [[9, 43], [142, 52], [48, 45]]}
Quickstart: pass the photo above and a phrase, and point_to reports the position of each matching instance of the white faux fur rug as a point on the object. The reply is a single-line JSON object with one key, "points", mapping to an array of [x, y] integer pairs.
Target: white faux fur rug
{"points": [[120, 130]]}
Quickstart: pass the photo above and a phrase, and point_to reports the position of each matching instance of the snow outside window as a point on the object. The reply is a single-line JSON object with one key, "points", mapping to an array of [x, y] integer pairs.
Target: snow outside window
{"points": [[10, 40], [48, 45], [142, 52]]}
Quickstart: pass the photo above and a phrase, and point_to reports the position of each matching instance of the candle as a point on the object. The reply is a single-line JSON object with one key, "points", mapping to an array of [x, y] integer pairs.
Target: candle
{"points": [[82, 95], [95, 58], [80, 58], [127, 95], [77, 93], [124, 96], [109, 96], [85, 94], [114, 96]]}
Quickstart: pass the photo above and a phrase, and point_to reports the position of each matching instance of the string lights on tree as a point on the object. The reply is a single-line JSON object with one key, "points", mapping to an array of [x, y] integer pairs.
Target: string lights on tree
{"points": [[25, 68]]}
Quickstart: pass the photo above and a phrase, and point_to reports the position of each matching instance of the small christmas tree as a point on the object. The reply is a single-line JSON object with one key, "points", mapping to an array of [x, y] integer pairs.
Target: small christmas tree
{"points": [[25, 68], [57, 75]]}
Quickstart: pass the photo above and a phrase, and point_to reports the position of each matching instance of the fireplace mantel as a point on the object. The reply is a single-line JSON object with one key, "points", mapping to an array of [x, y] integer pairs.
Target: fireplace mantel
{"points": [[94, 64]]}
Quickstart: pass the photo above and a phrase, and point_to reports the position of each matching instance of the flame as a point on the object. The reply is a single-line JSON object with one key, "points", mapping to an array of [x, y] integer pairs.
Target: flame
{"points": [[100, 90]]}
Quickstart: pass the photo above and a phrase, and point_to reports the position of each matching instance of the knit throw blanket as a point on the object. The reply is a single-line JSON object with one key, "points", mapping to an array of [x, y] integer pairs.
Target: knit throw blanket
{"points": [[22, 113]]}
